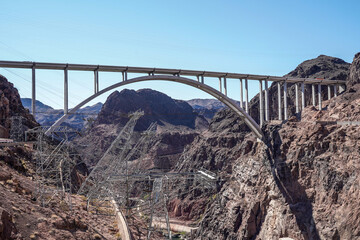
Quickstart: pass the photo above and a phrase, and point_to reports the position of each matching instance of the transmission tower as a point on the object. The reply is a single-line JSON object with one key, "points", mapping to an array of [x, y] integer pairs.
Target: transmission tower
{"points": [[17, 128], [55, 163], [158, 207], [94, 183]]}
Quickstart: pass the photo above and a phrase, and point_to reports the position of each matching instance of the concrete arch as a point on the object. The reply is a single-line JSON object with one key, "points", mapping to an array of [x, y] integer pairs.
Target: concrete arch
{"points": [[250, 122]]}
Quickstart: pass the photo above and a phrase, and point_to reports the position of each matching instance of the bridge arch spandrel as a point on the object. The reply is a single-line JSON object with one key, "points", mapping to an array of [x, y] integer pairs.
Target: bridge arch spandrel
{"points": [[250, 122]]}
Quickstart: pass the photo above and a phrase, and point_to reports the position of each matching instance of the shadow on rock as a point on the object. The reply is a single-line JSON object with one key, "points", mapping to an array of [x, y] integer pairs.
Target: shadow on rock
{"points": [[293, 192]]}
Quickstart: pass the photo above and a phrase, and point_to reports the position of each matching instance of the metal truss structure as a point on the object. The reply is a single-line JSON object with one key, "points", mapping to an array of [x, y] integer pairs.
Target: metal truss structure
{"points": [[55, 162], [17, 128]]}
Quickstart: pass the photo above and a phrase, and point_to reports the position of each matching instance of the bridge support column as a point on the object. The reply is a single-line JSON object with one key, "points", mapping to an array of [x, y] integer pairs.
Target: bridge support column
{"points": [[266, 101], [225, 86], [124, 76], [96, 81], [246, 96], [66, 91], [335, 92], [261, 107], [241, 94], [202, 79], [329, 91], [33, 92], [313, 95], [279, 100], [220, 85], [285, 101], [297, 97], [302, 96], [319, 93]]}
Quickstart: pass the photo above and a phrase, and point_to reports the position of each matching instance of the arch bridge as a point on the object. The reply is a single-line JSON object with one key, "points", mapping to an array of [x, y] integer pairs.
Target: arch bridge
{"points": [[183, 76]]}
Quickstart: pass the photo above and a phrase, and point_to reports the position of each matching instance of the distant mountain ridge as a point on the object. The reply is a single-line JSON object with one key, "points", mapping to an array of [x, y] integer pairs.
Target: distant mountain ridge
{"points": [[40, 107], [46, 115], [207, 107]]}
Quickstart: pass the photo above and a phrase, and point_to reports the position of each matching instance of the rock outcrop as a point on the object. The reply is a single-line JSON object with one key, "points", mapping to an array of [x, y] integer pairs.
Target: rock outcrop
{"points": [[157, 107], [7, 227], [354, 76], [10, 105]]}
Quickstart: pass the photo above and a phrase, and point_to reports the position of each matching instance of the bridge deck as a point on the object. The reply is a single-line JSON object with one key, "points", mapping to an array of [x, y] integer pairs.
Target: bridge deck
{"points": [[107, 68]]}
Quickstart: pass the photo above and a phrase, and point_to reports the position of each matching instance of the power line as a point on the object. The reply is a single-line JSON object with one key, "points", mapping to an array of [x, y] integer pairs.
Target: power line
{"points": [[17, 51], [27, 80]]}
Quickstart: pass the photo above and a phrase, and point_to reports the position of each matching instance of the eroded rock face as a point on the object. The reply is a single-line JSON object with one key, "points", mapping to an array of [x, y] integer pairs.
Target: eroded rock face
{"points": [[7, 227], [10, 105], [354, 76], [322, 67]]}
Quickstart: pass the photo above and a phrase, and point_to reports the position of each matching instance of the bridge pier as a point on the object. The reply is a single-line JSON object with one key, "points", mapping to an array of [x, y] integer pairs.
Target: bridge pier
{"points": [[246, 96], [261, 108], [279, 100], [66, 91], [285, 101], [302, 96], [225, 86], [241, 94], [202, 79], [96, 81], [266, 101], [124, 75], [319, 93], [313, 95], [335, 93], [329, 92], [220, 85], [297, 97], [33, 91]]}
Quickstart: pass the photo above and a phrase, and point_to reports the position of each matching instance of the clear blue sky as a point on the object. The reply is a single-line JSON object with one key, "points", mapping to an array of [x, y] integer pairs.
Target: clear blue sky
{"points": [[258, 37]]}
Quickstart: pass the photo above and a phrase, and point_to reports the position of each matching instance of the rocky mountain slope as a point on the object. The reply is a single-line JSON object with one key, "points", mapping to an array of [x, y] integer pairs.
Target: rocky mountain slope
{"points": [[10, 105], [46, 115], [22, 215], [303, 182]]}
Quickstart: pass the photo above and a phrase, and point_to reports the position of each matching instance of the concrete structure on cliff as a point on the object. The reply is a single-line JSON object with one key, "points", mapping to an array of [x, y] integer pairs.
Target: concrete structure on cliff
{"points": [[184, 77]]}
